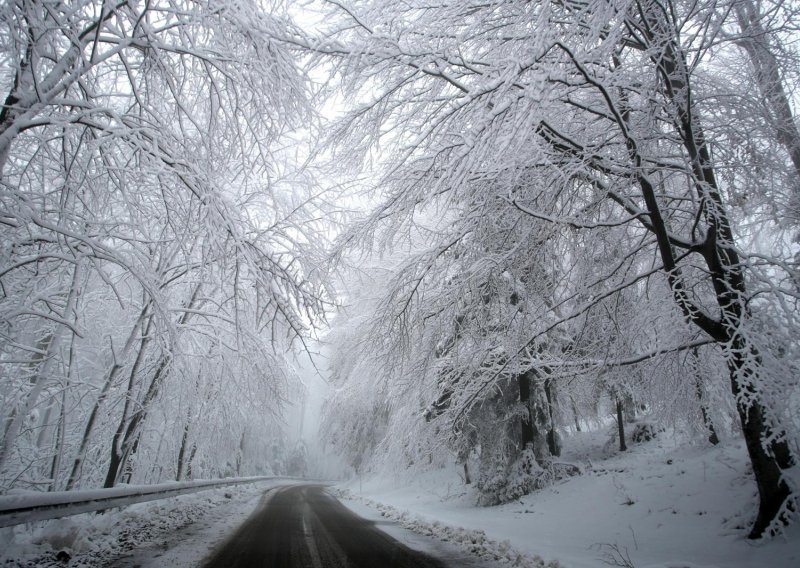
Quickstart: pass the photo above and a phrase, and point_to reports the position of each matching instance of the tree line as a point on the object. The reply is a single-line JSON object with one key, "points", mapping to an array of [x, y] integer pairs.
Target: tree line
{"points": [[159, 246], [598, 204], [575, 206]]}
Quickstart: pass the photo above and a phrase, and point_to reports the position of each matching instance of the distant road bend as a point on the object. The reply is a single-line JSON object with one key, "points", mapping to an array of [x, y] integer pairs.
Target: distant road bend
{"points": [[303, 527]]}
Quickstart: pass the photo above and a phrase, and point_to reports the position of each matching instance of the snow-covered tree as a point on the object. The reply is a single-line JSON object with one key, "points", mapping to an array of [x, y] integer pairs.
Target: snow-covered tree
{"points": [[156, 240], [580, 148]]}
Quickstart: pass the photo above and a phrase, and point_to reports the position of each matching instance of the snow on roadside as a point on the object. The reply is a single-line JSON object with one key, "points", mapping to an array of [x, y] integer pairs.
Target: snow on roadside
{"points": [[176, 532], [474, 542], [659, 505]]}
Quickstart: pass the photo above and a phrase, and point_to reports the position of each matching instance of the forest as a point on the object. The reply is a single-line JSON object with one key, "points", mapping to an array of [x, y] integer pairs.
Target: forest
{"points": [[506, 220]]}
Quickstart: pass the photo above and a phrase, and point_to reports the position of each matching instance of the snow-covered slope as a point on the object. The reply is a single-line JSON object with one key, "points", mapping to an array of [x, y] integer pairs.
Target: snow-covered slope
{"points": [[657, 505]]}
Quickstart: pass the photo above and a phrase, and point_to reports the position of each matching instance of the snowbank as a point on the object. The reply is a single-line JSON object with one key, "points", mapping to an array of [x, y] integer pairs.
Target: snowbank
{"points": [[656, 506], [176, 532]]}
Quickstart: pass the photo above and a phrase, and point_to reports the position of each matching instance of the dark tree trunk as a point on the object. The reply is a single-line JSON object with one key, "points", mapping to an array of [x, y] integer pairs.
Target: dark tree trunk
{"points": [[713, 439], [467, 479], [526, 422], [768, 450], [621, 424], [240, 456], [108, 382], [629, 407], [123, 436], [575, 414], [182, 451], [127, 465], [191, 461], [768, 459], [552, 436], [59, 444], [113, 467], [127, 445]]}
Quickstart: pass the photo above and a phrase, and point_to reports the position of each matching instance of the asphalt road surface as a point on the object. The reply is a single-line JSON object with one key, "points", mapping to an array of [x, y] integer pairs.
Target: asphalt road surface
{"points": [[304, 527]]}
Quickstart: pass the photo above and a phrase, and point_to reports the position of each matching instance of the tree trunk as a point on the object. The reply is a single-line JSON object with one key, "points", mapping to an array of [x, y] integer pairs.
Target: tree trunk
{"points": [[126, 468], [768, 458], [723, 265], [755, 41], [535, 426], [118, 447], [620, 424], [713, 439], [59, 437], [113, 467], [191, 461], [552, 435], [40, 364], [111, 376], [44, 426], [575, 414], [526, 422], [125, 441], [629, 407], [126, 436], [240, 455], [182, 451], [16, 417], [59, 443]]}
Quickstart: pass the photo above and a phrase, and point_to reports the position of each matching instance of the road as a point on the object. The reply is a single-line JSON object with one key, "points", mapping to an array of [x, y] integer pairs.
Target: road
{"points": [[304, 527]]}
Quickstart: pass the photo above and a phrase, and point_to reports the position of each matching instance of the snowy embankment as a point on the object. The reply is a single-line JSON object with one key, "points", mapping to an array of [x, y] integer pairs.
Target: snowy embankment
{"points": [[176, 532], [658, 505]]}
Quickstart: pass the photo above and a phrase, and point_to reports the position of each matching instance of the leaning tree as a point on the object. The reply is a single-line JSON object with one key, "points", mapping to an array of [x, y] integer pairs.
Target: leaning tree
{"points": [[605, 119]]}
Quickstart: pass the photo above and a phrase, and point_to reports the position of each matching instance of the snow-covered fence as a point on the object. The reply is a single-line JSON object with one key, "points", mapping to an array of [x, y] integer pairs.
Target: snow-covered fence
{"points": [[24, 508]]}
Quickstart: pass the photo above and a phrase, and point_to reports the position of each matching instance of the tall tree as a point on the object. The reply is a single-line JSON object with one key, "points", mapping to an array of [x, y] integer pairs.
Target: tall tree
{"points": [[585, 121], [138, 142]]}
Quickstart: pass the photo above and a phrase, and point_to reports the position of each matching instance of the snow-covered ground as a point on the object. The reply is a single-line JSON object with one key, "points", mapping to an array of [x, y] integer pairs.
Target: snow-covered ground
{"points": [[457, 546], [177, 532], [659, 505]]}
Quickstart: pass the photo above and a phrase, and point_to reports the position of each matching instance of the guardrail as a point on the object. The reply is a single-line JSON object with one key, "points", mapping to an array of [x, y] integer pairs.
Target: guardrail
{"points": [[18, 509]]}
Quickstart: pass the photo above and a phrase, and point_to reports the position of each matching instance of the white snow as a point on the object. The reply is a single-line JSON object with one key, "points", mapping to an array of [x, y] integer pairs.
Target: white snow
{"points": [[123, 495], [457, 546], [659, 505], [414, 534], [176, 532]]}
